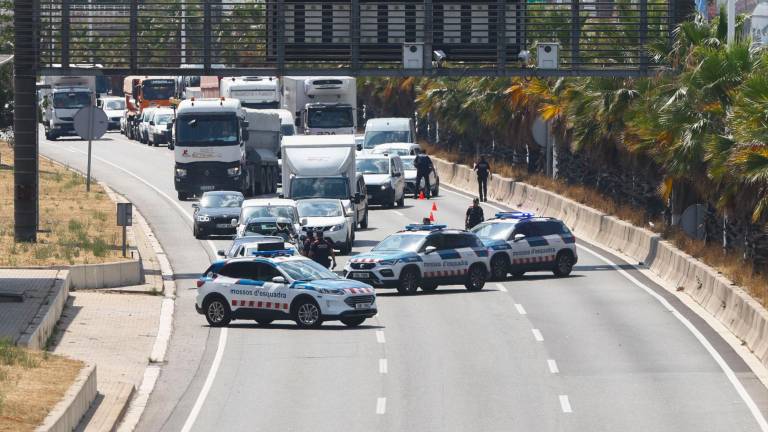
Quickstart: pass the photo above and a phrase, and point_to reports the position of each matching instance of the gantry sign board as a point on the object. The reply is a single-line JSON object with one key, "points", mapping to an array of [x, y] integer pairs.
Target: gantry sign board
{"points": [[349, 37]]}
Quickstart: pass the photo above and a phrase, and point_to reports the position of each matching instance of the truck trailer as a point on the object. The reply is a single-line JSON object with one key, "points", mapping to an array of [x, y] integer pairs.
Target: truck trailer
{"points": [[321, 105]]}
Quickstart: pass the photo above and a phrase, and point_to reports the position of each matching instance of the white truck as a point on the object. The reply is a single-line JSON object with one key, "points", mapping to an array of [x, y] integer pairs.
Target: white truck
{"points": [[324, 167], [253, 91], [61, 98], [214, 150], [321, 105]]}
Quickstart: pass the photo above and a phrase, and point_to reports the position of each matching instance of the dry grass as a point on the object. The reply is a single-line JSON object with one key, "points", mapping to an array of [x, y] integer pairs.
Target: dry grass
{"points": [[77, 227], [31, 384], [730, 264]]}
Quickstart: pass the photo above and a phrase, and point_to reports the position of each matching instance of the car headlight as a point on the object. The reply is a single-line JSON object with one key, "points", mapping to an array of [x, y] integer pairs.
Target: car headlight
{"points": [[181, 172], [233, 172], [387, 262], [330, 291], [338, 227], [203, 218], [384, 186]]}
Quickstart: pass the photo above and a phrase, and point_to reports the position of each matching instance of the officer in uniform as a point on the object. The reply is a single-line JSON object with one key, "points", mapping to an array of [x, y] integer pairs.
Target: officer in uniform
{"points": [[308, 243], [474, 214], [483, 170], [321, 251], [423, 165]]}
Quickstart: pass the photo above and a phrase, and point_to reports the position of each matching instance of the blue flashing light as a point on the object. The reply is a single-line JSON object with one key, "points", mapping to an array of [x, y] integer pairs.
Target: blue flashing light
{"points": [[424, 227], [274, 253], [514, 215]]}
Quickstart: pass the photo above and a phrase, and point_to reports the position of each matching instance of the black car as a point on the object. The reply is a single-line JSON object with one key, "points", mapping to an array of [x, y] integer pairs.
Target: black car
{"points": [[214, 214]]}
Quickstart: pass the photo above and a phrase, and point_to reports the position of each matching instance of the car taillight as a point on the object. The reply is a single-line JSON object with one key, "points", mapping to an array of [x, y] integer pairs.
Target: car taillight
{"points": [[200, 283]]}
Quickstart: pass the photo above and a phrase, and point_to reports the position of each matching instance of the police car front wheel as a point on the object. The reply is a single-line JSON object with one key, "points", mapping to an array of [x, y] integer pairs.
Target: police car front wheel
{"points": [[475, 278], [217, 312], [307, 314], [409, 281]]}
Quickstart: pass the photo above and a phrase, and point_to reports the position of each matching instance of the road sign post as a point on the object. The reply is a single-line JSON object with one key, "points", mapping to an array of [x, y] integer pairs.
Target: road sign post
{"points": [[124, 219], [90, 123]]}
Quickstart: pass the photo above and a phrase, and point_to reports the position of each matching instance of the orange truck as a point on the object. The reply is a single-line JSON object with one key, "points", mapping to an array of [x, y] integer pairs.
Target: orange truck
{"points": [[142, 92]]}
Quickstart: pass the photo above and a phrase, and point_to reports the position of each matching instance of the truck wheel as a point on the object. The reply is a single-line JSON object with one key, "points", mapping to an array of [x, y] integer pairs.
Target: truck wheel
{"points": [[182, 196], [352, 322]]}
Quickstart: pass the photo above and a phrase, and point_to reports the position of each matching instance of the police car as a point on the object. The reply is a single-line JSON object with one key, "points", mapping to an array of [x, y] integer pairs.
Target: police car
{"points": [[278, 285], [519, 242], [423, 256]]}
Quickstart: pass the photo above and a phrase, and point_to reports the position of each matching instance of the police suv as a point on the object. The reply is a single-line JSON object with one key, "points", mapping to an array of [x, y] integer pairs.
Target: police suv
{"points": [[519, 242], [278, 285], [423, 256]]}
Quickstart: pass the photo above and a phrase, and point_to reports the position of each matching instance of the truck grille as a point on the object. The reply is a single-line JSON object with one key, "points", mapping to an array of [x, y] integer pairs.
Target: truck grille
{"points": [[352, 301], [363, 266]]}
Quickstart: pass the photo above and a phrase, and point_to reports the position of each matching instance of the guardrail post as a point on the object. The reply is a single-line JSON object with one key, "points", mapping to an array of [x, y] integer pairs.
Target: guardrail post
{"points": [[354, 35], [26, 26], [575, 35], [428, 36], [134, 28]]}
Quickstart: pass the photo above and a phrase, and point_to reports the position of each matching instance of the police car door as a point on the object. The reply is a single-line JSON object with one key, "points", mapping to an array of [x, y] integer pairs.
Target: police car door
{"points": [[458, 255], [529, 252], [433, 262], [271, 296]]}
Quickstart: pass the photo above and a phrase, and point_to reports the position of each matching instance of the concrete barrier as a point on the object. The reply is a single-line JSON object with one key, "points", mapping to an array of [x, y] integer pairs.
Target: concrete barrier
{"points": [[737, 310], [107, 275], [41, 328], [66, 415]]}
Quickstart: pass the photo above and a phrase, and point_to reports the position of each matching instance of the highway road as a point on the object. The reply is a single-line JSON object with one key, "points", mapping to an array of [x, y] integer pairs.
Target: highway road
{"points": [[596, 351]]}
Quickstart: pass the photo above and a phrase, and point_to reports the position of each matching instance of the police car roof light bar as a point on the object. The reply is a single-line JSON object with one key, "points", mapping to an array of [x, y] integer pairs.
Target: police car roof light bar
{"points": [[423, 227], [514, 215], [274, 253]]}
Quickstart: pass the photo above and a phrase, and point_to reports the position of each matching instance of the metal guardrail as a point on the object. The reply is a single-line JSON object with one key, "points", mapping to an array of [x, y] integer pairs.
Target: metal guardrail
{"points": [[352, 37]]}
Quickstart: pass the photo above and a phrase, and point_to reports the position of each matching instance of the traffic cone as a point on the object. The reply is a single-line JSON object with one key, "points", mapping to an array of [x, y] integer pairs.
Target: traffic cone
{"points": [[421, 195], [431, 217], [434, 206]]}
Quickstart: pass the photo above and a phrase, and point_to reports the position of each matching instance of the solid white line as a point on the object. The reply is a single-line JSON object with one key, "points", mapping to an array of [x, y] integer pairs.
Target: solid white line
{"points": [[565, 404], [501, 287], [383, 368], [398, 213], [466, 195], [380, 336], [697, 334], [537, 335], [381, 405], [520, 309], [553, 366], [208, 382], [72, 149]]}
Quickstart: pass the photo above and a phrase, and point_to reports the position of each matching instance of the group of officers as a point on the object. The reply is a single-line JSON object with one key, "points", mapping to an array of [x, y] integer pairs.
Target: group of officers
{"points": [[319, 249]]}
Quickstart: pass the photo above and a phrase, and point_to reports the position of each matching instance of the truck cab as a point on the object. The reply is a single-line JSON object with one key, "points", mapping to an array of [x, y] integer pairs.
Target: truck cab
{"points": [[61, 105], [388, 130], [253, 91], [321, 105]]}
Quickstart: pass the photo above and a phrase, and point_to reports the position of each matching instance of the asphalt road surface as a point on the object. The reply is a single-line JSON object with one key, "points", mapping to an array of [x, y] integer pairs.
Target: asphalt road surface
{"points": [[592, 352]]}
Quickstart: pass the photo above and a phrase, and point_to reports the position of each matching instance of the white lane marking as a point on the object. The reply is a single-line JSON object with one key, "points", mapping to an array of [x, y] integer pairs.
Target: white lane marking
{"points": [[383, 368], [553, 366], [72, 149], [520, 309], [381, 405], [700, 337], [537, 335], [466, 195], [208, 382], [380, 336], [565, 404], [181, 209], [398, 213], [501, 287]]}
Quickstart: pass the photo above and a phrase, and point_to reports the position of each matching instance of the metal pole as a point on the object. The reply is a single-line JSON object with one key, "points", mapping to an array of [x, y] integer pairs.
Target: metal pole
{"points": [[25, 154], [90, 136], [731, 12], [183, 31], [124, 248]]}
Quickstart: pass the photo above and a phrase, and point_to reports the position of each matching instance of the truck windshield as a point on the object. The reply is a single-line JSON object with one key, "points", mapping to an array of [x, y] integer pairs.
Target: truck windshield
{"points": [[71, 100], [323, 187], [206, 131], [330, 117], [158, 89], [374, 138]]}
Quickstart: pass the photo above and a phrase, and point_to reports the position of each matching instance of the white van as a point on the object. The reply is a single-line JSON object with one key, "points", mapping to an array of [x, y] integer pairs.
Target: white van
{"points": [[388, 130]]}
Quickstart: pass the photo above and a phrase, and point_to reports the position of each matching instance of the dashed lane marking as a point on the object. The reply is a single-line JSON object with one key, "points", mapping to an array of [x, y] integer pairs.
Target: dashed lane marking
{"points": [[398, 213], [537, 335], [565, 404], [381, 405], [380, 336], [501, 287], [553, 366], [383, 367], [520, 309]]}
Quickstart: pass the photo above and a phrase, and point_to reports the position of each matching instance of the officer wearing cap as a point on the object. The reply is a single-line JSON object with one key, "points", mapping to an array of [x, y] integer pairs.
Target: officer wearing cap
{"points": [[321, 251]]}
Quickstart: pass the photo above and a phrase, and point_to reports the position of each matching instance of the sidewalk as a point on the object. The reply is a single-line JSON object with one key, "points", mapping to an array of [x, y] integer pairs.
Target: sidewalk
{"points": [[26, 295]]}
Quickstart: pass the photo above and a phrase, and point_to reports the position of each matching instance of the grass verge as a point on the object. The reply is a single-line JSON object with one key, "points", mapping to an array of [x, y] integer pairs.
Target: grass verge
{"points": [[31, 384], [76, 227], [730, 264]]}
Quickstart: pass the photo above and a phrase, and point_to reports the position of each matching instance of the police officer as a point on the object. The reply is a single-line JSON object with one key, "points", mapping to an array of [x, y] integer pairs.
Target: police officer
{"points": [[483, 170], [474, 214], [423, 165], [308, 243], [321, 251]]}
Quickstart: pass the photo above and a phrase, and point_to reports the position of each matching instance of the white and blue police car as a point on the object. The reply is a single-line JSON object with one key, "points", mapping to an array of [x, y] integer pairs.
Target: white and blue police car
{"points": [[423, 256], [520, 242], [278, 285]]}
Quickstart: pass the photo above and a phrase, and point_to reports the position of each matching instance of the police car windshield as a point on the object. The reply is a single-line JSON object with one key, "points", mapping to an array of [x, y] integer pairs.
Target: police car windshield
{"points": [[269, 211], [306, 270], [495, 231], [401, 242]]}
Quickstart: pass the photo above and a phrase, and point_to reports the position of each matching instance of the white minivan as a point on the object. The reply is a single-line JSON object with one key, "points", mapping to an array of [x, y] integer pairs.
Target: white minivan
{"points": [[388, 130]]}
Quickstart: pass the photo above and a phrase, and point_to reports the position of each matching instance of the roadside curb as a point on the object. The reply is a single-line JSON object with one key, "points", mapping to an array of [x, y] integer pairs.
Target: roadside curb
{"points": [[41, 328], [66, 415]]}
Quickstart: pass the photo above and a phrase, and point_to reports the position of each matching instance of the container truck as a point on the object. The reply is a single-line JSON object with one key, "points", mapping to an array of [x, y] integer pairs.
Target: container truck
{"points": [[262, 149], [324, 167], [61, 98], [253, 91], [321, 105], [145, 92]]}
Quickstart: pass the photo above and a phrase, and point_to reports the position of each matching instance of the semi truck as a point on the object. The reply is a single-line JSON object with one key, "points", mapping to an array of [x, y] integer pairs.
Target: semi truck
{"points": [[214, 148], [253, 91], [321, 105], [145, 92], [61, 98]]}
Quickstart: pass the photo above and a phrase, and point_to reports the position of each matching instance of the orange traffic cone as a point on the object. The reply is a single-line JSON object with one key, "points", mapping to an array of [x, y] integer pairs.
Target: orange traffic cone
{"points": [[431, 217], [434, 206], [421, 195]]}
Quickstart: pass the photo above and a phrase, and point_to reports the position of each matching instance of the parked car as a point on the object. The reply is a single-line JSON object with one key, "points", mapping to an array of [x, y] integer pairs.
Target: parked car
{"points": [[158, 132], [384, 179], [214, 214], [329, 216], [410, 177]]}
